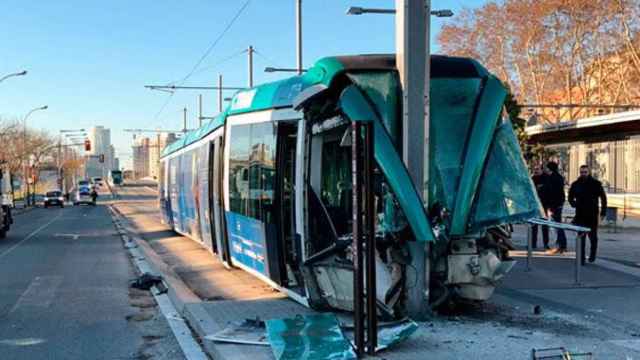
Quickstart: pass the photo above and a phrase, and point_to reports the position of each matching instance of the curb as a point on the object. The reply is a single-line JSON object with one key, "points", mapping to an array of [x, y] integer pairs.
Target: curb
{"points": [[188, 304], [178, 294]]}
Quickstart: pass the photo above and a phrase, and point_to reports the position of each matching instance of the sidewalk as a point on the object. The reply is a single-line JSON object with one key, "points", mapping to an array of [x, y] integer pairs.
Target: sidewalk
{"points": [[601, 316], [622, 246]]}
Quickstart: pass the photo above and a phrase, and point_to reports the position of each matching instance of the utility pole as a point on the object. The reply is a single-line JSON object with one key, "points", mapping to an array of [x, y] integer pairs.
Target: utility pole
{"points": [[59, 161], [220, 93], [299, 36], [184, 120], [200, 109], [412, 43], [250, 55]]}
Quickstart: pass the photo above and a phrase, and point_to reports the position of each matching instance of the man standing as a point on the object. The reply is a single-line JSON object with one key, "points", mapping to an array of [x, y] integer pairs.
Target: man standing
{"points": [[554, 200], [539, 179], [583, 195]]}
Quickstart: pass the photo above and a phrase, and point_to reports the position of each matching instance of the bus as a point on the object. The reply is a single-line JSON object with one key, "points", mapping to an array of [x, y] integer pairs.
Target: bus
{"points": [[266, 185]]}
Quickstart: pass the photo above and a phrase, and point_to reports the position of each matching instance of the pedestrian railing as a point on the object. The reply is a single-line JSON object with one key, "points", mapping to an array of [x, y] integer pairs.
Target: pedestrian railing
{"points": [[579, 230]]}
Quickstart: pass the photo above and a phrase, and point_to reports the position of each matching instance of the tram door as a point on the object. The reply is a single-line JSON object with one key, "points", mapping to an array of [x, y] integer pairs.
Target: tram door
{"points": [[218, 223], [211, 202], [291, 248]]}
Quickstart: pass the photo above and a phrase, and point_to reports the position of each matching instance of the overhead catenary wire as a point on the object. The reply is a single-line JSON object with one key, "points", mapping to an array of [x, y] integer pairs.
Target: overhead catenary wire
{"points": [[204, 56], [221, 61], [266, 58], [216, 41]]}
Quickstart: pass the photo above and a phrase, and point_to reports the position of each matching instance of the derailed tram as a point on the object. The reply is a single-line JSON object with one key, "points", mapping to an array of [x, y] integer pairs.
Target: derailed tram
{"points": [[266, 185]]}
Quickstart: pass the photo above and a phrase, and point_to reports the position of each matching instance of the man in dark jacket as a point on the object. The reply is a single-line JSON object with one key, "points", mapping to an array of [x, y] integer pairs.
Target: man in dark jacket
{"points": [[553, 201], [539, 179], [584, 195]]}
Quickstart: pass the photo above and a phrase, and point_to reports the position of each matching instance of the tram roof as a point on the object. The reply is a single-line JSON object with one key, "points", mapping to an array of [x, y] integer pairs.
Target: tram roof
{"points": [[281, 93]]}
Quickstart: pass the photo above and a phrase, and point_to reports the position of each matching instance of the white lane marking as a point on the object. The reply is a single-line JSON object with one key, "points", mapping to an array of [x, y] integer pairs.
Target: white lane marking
{"points": [[40, 293], [150, 189], [74, 236], [22, 342], [34, 233]]}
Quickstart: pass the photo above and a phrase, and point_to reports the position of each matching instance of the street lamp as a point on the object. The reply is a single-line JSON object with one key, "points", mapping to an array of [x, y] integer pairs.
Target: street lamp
{"points": [[357, 10], [61, 158], [270, 69], [24, 149], [21, 73]]}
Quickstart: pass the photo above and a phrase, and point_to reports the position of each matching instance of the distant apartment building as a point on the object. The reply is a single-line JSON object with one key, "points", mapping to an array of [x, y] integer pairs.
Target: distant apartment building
{"points": [[146, 154], [140, 157], [101, 149], [156, 145]]}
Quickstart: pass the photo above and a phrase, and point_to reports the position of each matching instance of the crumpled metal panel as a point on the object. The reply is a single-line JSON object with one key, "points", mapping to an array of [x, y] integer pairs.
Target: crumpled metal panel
{"points": [[506, 193], [308, 337]]}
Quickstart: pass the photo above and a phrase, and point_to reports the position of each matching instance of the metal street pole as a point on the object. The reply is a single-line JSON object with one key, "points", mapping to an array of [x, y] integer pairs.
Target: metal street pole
{"points": [[200, 109], [412, 61], [24, 152], [59, 163], [299, 36], [184, 120], [219, 92], [250, 55]]}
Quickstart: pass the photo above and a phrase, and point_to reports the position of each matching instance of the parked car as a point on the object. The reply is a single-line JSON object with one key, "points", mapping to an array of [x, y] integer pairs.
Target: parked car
{"points": [[85, 184], [54, 198], [83, 196], [37, 199]]}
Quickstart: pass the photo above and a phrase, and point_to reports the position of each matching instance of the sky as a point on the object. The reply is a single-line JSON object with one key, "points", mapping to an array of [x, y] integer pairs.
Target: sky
{"points": [[89, 60]]}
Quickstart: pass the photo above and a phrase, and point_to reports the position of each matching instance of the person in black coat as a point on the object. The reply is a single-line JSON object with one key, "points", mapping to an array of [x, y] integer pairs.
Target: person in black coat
{"points": [[553, 201], [539, 179], [584, 195]]}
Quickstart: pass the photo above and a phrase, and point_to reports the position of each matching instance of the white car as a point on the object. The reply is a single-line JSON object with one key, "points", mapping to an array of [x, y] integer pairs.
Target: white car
{"points": [[83, 196], [54, 197]]}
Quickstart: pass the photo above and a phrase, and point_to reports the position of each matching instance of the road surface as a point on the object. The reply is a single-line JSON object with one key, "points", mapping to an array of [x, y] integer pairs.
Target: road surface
{"points": [[64, 292]]}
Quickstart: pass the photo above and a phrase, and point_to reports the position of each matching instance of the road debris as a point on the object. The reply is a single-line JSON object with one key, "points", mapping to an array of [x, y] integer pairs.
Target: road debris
{"points": [[146, 281]]}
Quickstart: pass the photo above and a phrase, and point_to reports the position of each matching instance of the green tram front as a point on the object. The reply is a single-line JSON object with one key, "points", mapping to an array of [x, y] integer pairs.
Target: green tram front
{"points": [[267, 184]]}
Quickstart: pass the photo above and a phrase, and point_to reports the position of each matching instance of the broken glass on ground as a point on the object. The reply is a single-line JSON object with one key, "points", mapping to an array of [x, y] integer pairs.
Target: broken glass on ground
{"points": [[390, 333], [308, 337], [248, 332]]}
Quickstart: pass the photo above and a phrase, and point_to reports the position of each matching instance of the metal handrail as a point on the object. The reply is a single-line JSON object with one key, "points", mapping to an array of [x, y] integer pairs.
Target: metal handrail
{"points": [[579, 230]]}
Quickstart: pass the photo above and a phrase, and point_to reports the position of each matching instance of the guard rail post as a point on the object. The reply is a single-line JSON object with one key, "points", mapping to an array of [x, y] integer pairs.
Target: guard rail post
{"points": [[529, 245]]}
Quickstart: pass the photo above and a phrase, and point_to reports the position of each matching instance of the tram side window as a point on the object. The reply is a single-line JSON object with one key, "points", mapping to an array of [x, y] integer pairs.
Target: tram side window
{"points": [[252, 170], [332, 178]]}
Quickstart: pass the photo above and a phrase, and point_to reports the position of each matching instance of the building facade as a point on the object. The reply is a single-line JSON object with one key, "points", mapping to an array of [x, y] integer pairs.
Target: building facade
{"points": [[101, 149], [608, 144], [156, 145], [140, 157], [146, 154]]}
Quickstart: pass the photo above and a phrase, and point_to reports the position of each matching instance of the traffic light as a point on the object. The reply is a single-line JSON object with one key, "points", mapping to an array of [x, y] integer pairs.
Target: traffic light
{"points": [[87, 145], [101, 158]]}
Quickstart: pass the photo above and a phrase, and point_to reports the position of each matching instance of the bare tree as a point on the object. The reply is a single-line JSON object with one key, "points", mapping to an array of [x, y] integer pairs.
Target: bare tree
{"points": [[555, 51]]}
